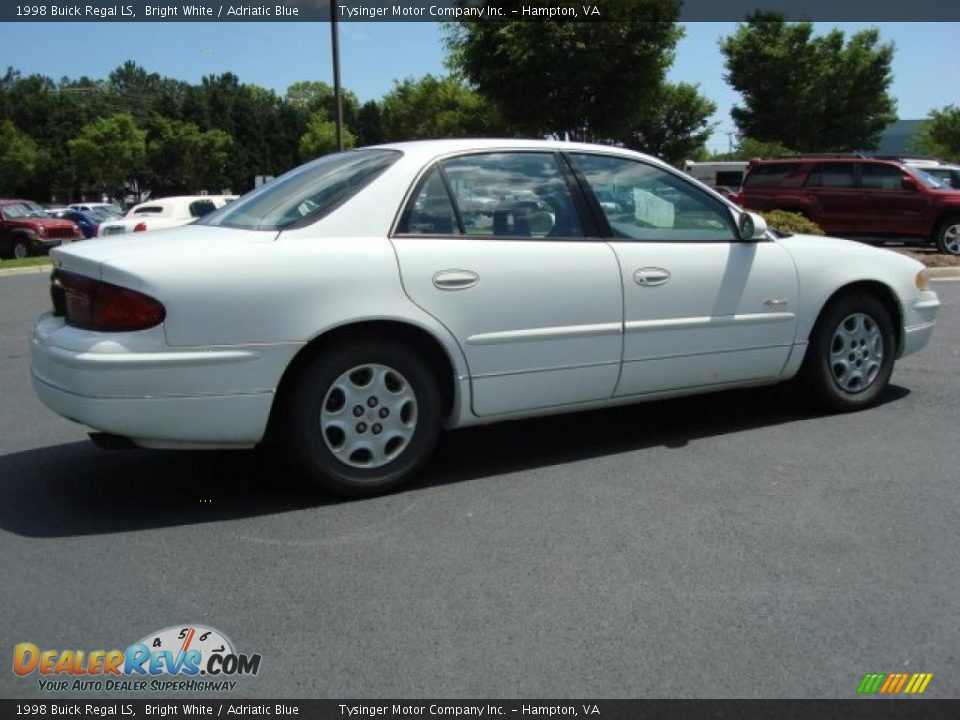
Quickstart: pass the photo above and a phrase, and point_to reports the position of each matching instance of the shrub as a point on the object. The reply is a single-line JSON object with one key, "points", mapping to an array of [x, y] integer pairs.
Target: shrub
{"points": [[791, 223]]}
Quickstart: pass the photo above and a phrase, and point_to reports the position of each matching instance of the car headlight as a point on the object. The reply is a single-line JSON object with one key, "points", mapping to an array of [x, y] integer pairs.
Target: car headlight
{"points": [[923, 280]]}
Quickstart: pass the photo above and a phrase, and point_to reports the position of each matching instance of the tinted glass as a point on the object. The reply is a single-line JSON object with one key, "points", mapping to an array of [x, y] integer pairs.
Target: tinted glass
{"points": [[149, 210], [832, 175], [881, 177], [513, 195], [769, 175], [430, 211], [643, 202], [199, 208], [306, 193]]}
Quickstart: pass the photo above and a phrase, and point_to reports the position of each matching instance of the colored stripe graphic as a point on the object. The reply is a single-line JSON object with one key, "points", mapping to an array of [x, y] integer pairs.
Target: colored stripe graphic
{"points": [[895, 683]]}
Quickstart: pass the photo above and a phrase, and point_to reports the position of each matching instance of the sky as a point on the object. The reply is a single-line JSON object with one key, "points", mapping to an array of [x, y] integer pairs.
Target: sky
{"points": [[373, 55]]}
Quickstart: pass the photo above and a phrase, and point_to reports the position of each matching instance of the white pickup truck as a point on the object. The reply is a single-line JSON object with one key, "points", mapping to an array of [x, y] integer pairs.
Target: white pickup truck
{"points": [[164, 213]]}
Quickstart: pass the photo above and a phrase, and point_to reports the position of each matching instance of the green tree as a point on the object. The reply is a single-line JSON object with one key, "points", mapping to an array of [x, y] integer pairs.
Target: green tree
{"points": [[321, 137], [941, 134], [587, 79], [109, 152], [433, 107], [182, 158], [369, 124], [748, 149], [676, 126], [19, 157], [316, 96], [816, 94]]}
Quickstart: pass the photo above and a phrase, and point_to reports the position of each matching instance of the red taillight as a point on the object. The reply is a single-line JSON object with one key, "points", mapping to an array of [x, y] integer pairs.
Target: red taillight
{"points": [[95, 305], [140, 227]]}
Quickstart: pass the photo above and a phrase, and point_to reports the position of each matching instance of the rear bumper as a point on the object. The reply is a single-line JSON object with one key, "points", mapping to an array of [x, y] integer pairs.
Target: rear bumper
{"points": [[134, 385]]}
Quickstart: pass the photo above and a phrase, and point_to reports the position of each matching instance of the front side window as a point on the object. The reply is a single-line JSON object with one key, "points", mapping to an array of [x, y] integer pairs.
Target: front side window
{"points": [[512, 195], [643, 202], [881, 177], [149, 210], [305, 194]]}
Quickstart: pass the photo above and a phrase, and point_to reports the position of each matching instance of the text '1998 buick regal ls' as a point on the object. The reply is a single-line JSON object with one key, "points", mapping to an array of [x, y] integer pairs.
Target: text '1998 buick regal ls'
{"points": [[356, 306]]}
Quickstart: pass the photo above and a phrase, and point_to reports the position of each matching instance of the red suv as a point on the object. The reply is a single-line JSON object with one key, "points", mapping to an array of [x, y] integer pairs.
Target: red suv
{"points": [[26, 229], [854, 196]]}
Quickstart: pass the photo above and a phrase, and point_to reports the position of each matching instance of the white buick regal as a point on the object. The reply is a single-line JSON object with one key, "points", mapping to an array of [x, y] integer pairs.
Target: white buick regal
{"points": [[352, 308]]}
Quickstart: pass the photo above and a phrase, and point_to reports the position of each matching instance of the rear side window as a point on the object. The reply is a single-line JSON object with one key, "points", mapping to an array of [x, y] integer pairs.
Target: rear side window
{"points": [[831, 175], [305, 194], [149, 210], [199, 208], [512, 195], [770, 175]]}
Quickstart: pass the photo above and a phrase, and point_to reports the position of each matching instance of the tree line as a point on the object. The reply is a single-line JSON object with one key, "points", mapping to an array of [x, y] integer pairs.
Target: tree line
{"points": [[601, 82]]}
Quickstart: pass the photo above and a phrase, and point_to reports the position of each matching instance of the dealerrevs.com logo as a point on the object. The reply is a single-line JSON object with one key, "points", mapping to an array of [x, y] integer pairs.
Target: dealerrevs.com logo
{"points": [[188, 658]]}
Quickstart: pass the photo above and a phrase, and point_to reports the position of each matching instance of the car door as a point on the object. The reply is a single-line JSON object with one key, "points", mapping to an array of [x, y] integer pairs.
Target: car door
{"points": [[841, 205], [701, 308], [493, 245], [894, 209]]}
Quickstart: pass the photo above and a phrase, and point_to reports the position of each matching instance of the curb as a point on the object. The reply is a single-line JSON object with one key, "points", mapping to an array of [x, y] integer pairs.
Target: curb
{"points": [[943, 273], [27, 270]]}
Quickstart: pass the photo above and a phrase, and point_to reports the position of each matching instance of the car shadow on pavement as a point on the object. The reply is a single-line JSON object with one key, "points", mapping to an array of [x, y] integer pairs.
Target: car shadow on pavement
{"points": [[78, 489]]}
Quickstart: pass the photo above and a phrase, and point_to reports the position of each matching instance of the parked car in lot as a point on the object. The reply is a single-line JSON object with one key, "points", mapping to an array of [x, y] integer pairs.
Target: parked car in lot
{"points": [[110, 208], [854, 196], [88, 222], [27, 229], [347, 313], [164, 213]]}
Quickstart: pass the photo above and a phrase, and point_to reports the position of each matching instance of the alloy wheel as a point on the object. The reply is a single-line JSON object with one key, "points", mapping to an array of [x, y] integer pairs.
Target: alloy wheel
{"points": [[856, 352], [369, 416]]}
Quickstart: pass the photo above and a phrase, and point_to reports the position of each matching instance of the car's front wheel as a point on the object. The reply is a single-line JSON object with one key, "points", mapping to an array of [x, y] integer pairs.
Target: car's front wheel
{"points": [[362, 417], [948, 236], [21, 249], [850, 357]]}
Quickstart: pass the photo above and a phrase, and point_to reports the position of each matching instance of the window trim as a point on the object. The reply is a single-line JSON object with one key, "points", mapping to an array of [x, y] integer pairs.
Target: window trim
{"points": [[407, 202], [607, 231]]}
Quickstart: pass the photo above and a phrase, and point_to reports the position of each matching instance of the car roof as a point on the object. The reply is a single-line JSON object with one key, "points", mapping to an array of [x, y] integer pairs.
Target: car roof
{"points": [[425, 150]]}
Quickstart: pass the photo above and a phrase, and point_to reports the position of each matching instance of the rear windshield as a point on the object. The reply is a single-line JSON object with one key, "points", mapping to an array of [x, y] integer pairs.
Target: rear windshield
{"points": [[304, 194], [769, 175]]}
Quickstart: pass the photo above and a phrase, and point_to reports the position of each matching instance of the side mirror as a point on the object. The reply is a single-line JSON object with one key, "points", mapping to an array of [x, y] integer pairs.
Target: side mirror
{"points": [[751, 227], [909, 183]]}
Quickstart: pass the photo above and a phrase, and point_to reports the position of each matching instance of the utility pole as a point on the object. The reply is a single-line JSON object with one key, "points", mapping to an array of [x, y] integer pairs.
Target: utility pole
{"points": [[337, 99]]}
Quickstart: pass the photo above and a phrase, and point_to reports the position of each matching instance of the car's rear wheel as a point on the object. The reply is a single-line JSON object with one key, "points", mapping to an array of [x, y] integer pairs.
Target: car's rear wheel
{"points": [[948, 236], [362, 417], [851, 353]]}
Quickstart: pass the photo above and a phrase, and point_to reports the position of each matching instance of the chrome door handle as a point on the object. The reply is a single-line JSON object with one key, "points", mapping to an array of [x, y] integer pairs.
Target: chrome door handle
{"points": [[651, 276], [455, 279]]}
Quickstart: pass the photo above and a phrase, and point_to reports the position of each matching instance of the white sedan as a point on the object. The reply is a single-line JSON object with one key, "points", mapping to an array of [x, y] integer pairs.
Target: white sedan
{"points": [[164, 213], [349, 310]]}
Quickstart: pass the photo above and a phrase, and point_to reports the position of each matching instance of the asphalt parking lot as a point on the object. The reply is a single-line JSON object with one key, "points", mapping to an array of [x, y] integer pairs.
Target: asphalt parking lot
{"points": [[732, 545]]}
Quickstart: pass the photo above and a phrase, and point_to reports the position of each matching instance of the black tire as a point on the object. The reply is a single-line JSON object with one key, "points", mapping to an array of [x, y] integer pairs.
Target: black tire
{"points": [[948, 235], [308, 443], [823, 371], [20, 248]]}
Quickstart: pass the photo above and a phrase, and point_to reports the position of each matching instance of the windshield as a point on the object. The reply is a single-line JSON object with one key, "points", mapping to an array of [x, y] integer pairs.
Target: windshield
{"points": [[24, 210], [305, 194], [929, 180]]}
